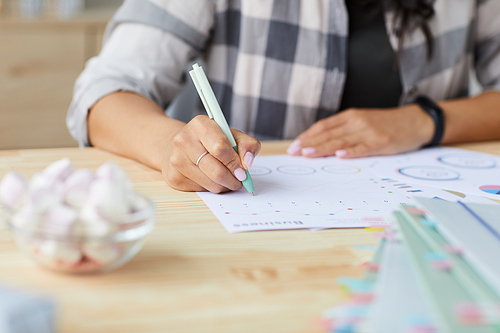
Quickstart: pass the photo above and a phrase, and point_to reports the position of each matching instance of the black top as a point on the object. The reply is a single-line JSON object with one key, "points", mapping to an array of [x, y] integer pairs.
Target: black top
{"points": [[372, 76]]}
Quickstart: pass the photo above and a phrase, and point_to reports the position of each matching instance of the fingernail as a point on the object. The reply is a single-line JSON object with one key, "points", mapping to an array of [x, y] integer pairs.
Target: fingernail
{"points": [[240, 174], [340, 153], [308, 151], [294, 147], [248, 159]]}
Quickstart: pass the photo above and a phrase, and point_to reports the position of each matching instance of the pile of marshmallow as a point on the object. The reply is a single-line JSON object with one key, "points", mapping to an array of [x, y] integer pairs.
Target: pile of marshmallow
{"points": [[67, 217]]}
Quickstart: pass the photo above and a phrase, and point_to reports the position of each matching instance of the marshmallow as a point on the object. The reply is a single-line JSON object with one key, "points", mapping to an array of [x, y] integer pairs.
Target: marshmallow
{"points": [[110, 200], [59, 252], [52, 178], [70, 204], [26, 219], [102, 253], [40, 200], [12, 189], [45, 190], [40, 182], [78, 228], [59, 219], [80, 179], [113, 172], [76, 187], [58, 170], [98, 229], [93, 224], [76, 199]]}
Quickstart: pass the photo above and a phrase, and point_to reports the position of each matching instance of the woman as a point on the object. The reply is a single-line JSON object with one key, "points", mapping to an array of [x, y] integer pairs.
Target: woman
{"points": [[284, 70]]}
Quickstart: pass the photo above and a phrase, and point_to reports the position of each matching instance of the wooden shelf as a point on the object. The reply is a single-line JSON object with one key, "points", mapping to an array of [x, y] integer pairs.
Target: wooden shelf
{"points": [[41, 59], [96, 15]]}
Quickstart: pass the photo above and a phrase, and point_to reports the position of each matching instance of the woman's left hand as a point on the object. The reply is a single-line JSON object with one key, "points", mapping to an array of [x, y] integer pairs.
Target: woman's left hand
{"points": [[366, 132]]}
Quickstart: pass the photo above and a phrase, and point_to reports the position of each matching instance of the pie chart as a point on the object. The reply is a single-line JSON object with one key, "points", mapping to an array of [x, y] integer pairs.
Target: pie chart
{"points": [[492, 189]]}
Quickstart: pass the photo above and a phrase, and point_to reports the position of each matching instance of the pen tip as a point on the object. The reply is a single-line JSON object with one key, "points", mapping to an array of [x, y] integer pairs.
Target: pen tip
{"points": [[253, 194]]}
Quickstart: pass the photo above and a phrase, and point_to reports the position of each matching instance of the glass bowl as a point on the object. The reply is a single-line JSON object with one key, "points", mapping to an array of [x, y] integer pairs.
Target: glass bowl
{"points": [[96, 248]]}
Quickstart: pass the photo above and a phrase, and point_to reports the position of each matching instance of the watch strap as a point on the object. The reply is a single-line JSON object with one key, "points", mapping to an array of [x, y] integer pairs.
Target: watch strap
{"points": [[437, 115]]}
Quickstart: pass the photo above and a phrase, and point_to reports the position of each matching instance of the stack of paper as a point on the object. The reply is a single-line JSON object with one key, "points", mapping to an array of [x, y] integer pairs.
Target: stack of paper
{"points": [[294, 192], [438, 270]]}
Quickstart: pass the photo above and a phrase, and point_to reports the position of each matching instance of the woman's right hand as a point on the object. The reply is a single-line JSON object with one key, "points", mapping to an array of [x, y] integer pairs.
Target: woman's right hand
{"points": [[221, 170]]}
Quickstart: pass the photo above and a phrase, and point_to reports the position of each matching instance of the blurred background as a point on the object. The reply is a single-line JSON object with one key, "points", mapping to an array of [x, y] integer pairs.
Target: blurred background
{"points": [[44, 45]]}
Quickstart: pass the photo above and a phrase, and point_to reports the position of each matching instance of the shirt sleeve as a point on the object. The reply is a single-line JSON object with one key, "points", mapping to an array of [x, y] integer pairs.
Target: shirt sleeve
{"points": [[146, 49], [487, 48]]}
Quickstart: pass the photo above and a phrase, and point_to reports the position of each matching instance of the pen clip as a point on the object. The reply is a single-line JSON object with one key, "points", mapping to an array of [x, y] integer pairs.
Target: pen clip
{"points": [[194, 76], [210, 115]]}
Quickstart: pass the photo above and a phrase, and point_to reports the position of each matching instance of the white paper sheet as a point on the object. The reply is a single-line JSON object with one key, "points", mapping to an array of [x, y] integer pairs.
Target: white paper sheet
{"points": [[296, 192], [451, 169], [412, 189]]}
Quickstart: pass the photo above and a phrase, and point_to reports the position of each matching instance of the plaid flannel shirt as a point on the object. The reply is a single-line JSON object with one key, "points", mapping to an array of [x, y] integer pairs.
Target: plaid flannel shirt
{"points": [[277, 66]]}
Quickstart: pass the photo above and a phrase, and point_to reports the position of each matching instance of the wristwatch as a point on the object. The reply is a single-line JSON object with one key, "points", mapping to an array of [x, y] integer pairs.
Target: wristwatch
{"points": [[437, 115]]}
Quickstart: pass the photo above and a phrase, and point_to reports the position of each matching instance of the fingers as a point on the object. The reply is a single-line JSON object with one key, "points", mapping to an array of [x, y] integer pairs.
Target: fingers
{"points": [[223, 159], [180, 182], [324, 143], [330, 129], [212, 169], [221, 165], [328, 143], [199, 177], [182, 174], [334, 126], [352, 133], [345, 146], [354, 145], [360, 133], [248, 148], [202, 158], [356, 151], [329, 147]]}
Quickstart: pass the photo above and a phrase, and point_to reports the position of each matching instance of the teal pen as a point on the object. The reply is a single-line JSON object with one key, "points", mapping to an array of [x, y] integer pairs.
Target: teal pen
{"points": [[214, 112]]}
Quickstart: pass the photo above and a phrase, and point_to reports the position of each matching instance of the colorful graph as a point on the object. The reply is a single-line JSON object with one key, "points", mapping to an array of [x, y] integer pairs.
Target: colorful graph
{"points": [[458, 194], [492, 189]]}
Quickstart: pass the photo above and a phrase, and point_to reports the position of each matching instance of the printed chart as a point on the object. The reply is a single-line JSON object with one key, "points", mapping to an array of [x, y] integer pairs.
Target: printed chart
{"points": [[296, 192], [444, 168], [410, 190], [491, 189]]}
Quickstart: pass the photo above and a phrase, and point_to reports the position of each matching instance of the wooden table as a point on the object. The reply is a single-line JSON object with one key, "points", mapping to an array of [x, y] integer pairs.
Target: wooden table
{"points": [[192, 275]]}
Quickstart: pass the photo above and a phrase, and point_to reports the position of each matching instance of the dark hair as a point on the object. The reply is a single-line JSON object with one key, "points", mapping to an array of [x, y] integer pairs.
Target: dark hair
{"points": [[408, 16]]}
